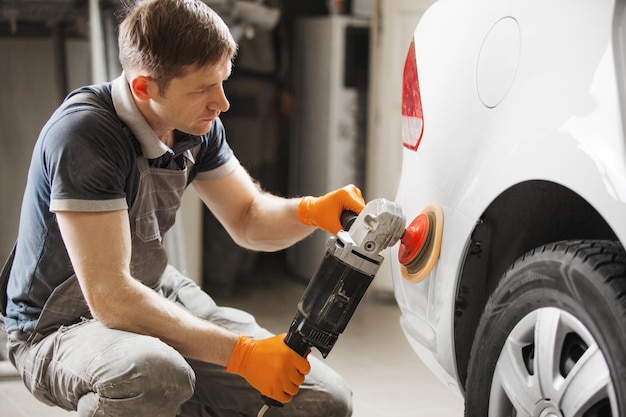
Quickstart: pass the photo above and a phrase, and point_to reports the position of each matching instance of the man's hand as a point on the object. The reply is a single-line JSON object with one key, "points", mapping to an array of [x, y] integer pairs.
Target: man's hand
{"points": [[270, 366], [325, 211]]}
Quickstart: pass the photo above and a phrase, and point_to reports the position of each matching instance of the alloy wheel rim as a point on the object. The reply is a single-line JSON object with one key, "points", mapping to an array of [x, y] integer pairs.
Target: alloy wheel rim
{"points": [[551, 366]]}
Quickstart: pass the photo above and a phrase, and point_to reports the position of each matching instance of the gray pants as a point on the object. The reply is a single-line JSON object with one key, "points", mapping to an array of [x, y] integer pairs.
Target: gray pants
{"points": [[104, 372]]}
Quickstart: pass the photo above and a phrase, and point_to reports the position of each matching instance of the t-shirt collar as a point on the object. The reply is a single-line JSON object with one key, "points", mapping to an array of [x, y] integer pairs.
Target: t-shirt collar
{"points": [[127, 111]]}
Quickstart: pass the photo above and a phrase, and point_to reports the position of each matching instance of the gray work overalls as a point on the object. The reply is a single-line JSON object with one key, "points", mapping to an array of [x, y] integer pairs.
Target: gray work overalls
{"points": [[99, 371]]}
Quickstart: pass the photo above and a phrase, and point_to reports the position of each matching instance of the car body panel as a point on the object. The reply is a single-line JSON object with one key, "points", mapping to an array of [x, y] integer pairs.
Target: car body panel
{"points": [[558, 120]]}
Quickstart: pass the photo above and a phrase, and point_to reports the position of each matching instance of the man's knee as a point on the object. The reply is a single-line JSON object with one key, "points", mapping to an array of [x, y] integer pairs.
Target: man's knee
{"points": [[149, 379], [335, 403], [325, 393], [339, 401]]}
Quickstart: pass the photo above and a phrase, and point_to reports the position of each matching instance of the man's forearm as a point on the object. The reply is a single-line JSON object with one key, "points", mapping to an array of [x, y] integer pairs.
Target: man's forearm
{"points": [[272, 224], [139, 309]]}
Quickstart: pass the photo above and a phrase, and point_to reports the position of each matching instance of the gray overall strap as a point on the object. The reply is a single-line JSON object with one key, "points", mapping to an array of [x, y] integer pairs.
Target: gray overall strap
{"points": [[4, 281]]}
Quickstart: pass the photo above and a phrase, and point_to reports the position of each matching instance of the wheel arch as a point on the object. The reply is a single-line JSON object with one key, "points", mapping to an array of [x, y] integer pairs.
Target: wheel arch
{"points": [[523, 217]]}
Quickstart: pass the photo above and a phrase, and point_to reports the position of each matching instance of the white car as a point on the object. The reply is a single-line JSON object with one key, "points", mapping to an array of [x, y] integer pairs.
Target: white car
{"points": [[513, 125]]}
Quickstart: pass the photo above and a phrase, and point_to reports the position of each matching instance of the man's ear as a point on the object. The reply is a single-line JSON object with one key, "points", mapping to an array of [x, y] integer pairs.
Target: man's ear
{"points": [[140, 86]]}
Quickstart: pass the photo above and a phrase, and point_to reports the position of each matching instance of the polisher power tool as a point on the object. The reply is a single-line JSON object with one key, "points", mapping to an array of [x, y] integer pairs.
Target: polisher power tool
{"points": [[349, 265]]}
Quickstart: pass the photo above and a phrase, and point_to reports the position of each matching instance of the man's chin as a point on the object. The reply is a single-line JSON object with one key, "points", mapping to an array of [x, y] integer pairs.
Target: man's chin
{"points": [[200, 129]]}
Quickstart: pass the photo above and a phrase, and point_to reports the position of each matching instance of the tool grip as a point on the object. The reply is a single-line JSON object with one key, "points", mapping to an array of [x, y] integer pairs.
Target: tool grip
{"points": [[295, 341], [271, 402], [347, 218]]}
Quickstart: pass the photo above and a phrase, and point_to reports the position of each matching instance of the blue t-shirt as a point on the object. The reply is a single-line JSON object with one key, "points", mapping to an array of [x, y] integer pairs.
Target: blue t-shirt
{"points": [[85, 159]]}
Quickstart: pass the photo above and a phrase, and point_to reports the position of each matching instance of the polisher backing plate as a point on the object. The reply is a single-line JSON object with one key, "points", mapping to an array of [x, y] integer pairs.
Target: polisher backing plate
{"points": [[423, 262]]}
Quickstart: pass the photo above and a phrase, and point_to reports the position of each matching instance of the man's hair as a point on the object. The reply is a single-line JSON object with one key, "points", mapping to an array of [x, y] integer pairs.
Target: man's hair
{"points": [[165, 38]]}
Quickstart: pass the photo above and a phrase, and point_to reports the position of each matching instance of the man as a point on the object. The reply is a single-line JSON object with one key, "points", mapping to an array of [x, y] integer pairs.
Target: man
{"points": [[97, 320]]}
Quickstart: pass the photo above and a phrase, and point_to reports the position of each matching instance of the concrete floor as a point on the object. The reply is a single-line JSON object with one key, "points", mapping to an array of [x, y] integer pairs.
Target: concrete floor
{"points": [[386, 376]]}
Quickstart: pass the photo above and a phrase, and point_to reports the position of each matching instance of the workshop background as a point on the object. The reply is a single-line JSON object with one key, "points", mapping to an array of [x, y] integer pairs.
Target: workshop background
{"points": [[315, 104]]}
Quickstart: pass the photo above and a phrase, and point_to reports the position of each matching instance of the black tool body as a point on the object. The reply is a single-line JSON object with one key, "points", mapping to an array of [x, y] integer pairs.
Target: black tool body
{"points": [[338, 285]]}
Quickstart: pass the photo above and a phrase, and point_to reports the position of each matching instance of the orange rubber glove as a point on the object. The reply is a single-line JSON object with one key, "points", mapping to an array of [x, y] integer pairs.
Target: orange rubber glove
{"points": [[270, 366], [325, 211]]}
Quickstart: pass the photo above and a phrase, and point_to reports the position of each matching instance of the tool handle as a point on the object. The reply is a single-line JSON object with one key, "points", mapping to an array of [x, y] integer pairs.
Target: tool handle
{"points": [[294, 340], [347, 218], [270, 402]]}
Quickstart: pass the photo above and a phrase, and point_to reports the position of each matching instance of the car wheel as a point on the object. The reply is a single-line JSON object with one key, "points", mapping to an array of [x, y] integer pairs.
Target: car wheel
{"points": [[551, 341]]}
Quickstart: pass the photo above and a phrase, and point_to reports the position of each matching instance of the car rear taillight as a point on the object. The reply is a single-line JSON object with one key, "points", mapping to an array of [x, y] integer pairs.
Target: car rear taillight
{"points": [[412, 116]]}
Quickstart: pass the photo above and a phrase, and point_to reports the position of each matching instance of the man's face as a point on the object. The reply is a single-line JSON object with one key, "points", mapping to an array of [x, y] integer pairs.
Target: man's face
{"points": [[190, 103]]}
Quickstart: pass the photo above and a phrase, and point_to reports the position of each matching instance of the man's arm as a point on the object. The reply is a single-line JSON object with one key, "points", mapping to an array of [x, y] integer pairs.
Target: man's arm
{"points": [[254, 219], [260, 221], [99, 246]]}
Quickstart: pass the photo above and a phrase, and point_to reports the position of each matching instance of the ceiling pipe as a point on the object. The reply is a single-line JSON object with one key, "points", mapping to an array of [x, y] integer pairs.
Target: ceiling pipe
{"points": [[98, 49], [10, 14], [110, 40], [60, 65]]}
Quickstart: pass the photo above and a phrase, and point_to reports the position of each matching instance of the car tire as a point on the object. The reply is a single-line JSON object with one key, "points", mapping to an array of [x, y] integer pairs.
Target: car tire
{"points": [[551, 341]]}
